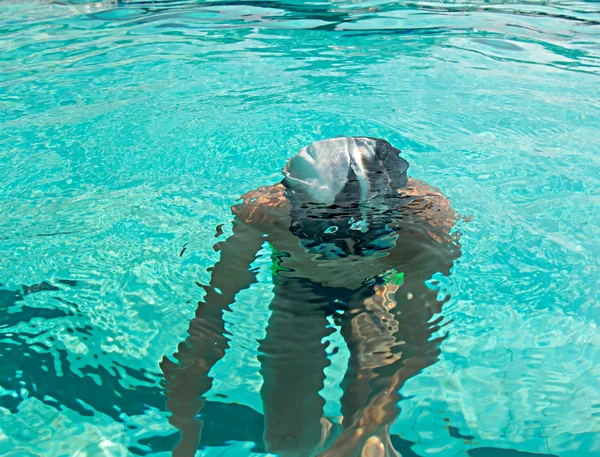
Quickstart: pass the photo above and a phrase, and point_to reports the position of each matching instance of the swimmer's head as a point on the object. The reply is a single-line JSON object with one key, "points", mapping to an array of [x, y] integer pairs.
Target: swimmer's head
{"points": [[343, 191], [345, 170]]}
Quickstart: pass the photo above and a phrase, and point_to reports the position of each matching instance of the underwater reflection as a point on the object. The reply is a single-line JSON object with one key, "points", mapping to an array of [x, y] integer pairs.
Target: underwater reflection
{"points": [[352, 238]]}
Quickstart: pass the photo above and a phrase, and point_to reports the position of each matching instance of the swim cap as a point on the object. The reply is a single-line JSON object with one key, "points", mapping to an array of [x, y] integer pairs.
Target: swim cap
{"points": [[344, 192], [349, 169]]}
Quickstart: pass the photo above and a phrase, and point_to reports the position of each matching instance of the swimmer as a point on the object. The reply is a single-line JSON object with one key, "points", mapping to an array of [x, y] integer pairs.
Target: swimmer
{"points": [[352, 238]]}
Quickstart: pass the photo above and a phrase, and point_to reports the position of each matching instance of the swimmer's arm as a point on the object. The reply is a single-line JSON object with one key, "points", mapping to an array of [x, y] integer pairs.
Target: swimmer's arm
{"points": [[252, 218], [389, 343], [230, 275], [187, 379], [403, 307]]}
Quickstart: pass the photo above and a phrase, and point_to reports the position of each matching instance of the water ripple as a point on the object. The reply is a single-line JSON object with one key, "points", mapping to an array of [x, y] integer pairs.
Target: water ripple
{"points": [[128, 129]]}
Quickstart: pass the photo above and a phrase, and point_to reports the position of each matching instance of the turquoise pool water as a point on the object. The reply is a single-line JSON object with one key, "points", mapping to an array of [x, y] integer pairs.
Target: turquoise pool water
{"points": [[129, 128]]}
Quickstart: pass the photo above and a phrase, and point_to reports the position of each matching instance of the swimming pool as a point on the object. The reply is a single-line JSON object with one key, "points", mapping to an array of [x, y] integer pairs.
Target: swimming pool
{"points": [[129, 128]]}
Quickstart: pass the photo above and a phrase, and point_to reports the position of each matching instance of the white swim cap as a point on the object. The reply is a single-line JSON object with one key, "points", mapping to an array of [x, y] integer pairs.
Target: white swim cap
{"points": [[322, 170]]}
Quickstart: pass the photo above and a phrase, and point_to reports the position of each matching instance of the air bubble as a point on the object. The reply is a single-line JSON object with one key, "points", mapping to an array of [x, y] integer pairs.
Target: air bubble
{"points": [[358, 225]]}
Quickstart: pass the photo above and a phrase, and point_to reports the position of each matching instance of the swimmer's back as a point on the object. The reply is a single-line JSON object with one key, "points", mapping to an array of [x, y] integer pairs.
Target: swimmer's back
{"points": [[269, 205], [422, 230]]}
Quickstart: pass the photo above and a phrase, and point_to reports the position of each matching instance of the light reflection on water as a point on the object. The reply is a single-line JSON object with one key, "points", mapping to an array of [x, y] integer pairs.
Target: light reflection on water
{"points": [[129, 129]]}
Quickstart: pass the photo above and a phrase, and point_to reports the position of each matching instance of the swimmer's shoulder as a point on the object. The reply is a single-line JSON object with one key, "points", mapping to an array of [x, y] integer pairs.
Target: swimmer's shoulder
{"points": [[432, 206], [421, 191], [264, 205]]}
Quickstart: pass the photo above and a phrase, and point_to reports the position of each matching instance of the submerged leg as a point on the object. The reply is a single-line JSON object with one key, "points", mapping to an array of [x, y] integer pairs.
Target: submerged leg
{"points": [[293, 360]]}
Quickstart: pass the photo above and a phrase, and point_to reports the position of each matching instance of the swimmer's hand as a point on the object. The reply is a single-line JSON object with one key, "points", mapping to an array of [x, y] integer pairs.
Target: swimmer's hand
{"points": [[354, 445]]}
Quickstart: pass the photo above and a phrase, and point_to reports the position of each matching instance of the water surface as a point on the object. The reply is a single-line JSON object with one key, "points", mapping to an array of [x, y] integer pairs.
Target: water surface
{"points": [[128, 129]]}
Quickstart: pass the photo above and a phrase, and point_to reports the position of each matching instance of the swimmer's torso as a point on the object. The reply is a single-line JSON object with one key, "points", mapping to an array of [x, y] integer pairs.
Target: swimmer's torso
{"points": [[412, 242]]}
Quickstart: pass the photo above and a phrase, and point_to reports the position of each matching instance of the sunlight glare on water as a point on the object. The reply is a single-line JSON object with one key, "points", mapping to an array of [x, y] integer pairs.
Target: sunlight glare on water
{"points": [[129, 128]]}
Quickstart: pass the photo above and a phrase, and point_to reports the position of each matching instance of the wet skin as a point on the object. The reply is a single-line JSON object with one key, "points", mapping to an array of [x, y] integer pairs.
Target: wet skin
{"points": [[386, 324]]}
